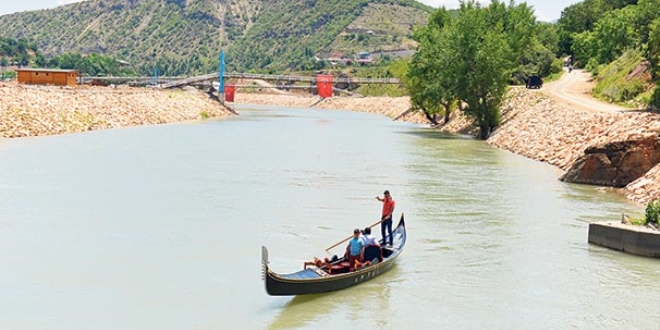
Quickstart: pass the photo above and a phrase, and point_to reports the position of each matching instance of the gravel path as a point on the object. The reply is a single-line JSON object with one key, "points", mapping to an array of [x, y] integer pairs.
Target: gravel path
{"points": [[573, 90]]}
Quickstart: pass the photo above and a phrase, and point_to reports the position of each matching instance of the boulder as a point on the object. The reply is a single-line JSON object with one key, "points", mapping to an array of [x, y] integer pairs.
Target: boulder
{"points": [[615, 164]]}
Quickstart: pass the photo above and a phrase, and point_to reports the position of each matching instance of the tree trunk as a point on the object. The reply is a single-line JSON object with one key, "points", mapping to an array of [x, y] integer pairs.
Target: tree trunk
{"points": [[447, 112], [430, 118], [484, 131]]}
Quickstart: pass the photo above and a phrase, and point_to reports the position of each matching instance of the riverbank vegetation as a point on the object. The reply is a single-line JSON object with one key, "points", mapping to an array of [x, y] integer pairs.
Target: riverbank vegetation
{"points": [[652, 214], [651, 217], [468, 58], [625, 81], [465, 59]]}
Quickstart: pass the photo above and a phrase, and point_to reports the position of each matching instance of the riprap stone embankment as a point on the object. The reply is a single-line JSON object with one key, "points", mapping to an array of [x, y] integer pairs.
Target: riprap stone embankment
{"points": [[536, 127], [28, 110]]}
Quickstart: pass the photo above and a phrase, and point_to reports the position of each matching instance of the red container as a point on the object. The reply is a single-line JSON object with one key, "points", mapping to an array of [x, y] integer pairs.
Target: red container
{"points": [[229, 93], [324, 85]]}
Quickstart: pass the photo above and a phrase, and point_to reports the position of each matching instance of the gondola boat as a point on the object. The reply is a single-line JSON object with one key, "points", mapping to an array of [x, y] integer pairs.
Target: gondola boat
{"points": [[332, 275]]}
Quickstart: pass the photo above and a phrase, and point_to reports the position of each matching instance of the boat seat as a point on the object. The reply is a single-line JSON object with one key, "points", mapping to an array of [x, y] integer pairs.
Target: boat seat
{"points": [[373, 252], [386, 252], [339, 268], [319, 271]]}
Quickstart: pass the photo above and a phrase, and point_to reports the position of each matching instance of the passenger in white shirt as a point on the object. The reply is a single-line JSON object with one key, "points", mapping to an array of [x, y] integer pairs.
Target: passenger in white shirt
{"points": [[367, 238], [372, 250]]}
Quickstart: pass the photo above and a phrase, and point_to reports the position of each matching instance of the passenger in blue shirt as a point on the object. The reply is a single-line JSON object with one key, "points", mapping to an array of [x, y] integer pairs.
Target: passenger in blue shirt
{"points": [[355, 249]]}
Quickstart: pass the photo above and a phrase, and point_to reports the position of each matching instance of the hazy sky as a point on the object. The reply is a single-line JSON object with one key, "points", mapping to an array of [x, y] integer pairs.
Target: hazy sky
{"points": [[546, 10]]}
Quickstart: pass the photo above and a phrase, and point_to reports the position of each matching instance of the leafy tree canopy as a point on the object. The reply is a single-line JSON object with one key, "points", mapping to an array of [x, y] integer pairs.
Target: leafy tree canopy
{"points": [[468, 57], [92, 64]]}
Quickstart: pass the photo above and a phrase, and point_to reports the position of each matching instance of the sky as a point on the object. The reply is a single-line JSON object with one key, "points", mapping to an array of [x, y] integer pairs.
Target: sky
{"points": [[546, 10]]}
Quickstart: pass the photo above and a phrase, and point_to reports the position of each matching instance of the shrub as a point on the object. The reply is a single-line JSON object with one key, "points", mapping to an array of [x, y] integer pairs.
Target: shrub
{"points": [[652, 211], [655, 98]]}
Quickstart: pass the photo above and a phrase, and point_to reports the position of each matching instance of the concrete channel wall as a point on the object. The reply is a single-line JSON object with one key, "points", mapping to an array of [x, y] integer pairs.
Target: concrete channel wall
{"points": [[631, 239]]}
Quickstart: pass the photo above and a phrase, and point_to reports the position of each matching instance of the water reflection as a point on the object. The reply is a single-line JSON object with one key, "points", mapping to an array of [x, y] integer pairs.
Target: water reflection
{"points": [[367, 301], [621, 269], [301, 310]]}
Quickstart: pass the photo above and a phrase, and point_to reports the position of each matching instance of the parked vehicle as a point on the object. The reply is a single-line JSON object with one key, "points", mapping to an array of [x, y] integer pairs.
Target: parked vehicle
{"points": [[534, 81]]}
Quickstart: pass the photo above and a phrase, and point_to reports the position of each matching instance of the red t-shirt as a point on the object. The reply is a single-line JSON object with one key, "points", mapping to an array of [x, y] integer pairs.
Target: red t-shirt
{"points": [[388, 206]]}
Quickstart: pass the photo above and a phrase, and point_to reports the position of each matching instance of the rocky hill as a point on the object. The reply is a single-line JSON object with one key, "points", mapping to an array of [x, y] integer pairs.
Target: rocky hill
{"points": [[186, 36]]}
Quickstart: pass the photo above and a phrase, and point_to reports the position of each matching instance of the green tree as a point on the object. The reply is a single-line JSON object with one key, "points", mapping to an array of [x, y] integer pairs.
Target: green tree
{"points": [[653, 55], [582, 17], [646, 12], [653, 49], [91, 65], [546, 34], [585, 47], [615, 33], [431, 81], [484, 64], [40, 60], [469, 57]]}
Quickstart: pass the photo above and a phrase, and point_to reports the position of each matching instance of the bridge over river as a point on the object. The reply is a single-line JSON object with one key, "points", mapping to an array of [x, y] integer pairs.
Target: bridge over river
{"points": [[205, 80]]}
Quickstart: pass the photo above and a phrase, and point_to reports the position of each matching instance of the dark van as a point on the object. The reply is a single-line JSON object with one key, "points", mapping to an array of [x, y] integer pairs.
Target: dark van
{"points": [[534, 81]]}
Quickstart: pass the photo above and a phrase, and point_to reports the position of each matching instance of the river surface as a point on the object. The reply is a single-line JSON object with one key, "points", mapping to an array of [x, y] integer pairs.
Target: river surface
{"points": [[161, 227]]}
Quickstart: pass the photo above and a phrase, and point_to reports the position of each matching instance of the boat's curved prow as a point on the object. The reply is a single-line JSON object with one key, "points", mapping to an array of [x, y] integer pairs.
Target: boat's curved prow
{"points": [[264, 262]]}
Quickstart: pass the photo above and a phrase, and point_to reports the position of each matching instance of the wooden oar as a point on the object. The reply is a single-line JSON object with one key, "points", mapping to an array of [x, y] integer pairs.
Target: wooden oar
{"points": [[349, 237]]}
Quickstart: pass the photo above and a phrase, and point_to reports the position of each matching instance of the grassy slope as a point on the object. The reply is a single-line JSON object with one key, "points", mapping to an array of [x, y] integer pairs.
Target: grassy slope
{"points": [[626, 81]]}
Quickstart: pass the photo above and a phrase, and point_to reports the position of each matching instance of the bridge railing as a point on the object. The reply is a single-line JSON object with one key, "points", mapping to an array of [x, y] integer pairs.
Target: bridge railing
{"points": [[132, 79], [171, 82], [313, 78]]}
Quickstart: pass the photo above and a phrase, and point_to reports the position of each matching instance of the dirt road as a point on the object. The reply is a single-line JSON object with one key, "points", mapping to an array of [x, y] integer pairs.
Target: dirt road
{"points": [[573, 90]]}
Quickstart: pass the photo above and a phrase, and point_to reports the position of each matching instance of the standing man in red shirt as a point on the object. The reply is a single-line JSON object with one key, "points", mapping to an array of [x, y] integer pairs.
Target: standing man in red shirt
{"points": [[386, 218]]}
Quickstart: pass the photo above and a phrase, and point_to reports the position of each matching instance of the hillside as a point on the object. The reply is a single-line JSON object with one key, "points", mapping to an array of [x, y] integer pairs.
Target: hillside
{"points": [[381, 27], [180, 35], [186, 36]]}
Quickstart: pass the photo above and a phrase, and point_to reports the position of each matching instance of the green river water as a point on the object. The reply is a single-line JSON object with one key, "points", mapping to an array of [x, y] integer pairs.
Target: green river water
{"points": [[161, 227]]}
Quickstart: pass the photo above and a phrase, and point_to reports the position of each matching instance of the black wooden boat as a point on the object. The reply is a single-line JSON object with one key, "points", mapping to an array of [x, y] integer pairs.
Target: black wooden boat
{"points": [[331, 275]]}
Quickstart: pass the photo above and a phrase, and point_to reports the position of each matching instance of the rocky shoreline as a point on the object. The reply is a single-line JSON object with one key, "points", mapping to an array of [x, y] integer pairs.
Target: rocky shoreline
{"points": [[536, 127], [30, 110], [533, 125]]}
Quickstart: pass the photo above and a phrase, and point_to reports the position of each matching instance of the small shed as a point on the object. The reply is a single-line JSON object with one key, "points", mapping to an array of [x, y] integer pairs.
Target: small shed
{"points": [[47, 76]]}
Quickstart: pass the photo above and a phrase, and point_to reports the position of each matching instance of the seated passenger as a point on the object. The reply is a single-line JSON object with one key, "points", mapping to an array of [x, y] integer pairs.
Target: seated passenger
{"points": [[355, 249], [371, 247], [367, 238]]}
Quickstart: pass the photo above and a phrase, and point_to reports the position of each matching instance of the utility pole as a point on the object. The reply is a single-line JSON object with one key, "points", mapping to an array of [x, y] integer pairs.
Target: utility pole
{"points": [[155, 76], [221, 78]]}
